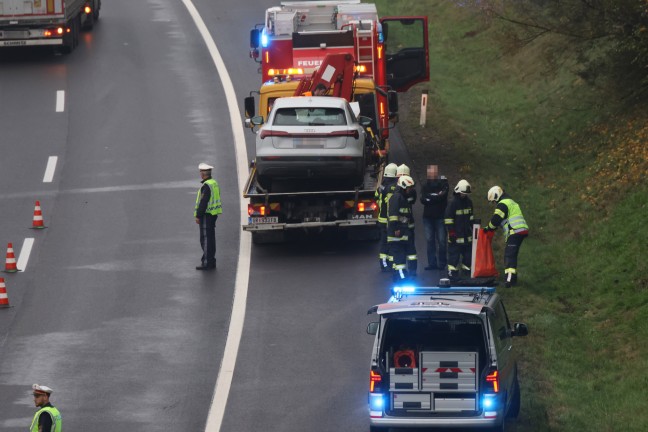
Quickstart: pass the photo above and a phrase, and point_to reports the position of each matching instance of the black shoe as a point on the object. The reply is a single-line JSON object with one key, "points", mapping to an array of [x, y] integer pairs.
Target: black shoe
{"points": [[206, 267], [431, 267]]}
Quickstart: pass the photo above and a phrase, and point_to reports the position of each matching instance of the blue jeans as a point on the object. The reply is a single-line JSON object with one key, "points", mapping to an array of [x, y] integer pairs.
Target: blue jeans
{"points": [[436, 238]]}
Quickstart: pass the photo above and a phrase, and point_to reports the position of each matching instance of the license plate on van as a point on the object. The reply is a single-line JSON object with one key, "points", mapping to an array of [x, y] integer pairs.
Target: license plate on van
{"points": [[264, 220]]}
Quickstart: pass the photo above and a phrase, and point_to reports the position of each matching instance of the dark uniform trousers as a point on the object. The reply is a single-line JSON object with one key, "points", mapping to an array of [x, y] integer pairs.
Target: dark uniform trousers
{"points": [[208, 239], [513, 244]]}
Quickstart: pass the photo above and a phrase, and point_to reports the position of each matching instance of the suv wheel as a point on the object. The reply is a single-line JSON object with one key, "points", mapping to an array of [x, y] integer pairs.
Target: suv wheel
{"points": [[514, 410]]}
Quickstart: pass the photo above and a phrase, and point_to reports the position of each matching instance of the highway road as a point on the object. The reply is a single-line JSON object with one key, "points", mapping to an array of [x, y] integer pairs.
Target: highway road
{"points": [[109, 310]]}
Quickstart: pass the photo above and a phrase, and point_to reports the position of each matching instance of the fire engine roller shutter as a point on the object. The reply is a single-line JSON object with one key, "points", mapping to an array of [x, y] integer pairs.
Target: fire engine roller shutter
{"points": [[342, 39]]}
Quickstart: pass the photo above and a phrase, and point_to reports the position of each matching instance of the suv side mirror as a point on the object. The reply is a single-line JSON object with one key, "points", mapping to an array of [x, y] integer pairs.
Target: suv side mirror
{"points": [[256, 120], [364, 121], [520, 329], [372, 327]]}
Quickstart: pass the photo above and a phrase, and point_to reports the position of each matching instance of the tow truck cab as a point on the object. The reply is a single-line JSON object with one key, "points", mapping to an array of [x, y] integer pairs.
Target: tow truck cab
{"points": [[443, 357]]}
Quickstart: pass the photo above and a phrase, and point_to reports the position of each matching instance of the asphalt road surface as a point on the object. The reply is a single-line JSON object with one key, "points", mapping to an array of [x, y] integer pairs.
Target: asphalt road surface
{"points": [[109, 310]]}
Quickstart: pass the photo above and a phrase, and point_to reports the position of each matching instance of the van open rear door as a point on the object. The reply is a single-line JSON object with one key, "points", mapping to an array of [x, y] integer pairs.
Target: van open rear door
{"points": [[406, 51]]}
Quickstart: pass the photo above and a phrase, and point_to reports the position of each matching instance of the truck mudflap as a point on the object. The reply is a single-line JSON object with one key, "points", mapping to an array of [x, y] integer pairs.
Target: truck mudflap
{"points": [[444, 382], [264, 227]]}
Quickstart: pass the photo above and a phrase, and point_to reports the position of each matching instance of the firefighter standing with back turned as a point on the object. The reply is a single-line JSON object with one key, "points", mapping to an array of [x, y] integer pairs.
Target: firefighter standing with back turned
{"points": [[509, 216], [459, 223], [399, 217], [208, 207], [383, 193]]}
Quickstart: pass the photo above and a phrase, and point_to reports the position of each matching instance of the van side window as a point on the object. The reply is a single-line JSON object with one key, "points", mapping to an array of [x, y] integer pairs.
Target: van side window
{"points": [[500, 327]]}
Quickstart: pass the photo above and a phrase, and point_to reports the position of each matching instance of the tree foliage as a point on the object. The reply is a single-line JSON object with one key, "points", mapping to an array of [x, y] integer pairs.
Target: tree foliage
{"points": [[617, 30]]}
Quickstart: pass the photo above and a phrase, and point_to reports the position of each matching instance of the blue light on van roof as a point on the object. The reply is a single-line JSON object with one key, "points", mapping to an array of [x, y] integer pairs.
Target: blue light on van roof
{"points": [[399, 291]]}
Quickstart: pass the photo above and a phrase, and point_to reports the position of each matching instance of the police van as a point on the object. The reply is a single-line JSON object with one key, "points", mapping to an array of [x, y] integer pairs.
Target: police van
{"points": [[443, 357]]}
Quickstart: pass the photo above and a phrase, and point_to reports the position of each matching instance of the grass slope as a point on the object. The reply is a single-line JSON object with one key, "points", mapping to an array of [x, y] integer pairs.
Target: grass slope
{"points": [[520, 114]]}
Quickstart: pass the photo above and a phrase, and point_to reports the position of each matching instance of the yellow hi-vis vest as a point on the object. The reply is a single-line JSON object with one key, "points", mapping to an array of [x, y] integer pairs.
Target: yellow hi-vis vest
{"points": [[56, 419], [214, 206], [515, 222]]}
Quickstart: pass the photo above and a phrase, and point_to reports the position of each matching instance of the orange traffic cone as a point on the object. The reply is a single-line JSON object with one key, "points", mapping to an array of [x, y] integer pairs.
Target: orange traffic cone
{"points": [[4, 299], [10, 263], [38, 217]]}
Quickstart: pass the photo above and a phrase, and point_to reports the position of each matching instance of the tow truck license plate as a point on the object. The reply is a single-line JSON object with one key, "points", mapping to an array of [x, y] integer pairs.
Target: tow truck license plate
{"points": [[263, 220]]}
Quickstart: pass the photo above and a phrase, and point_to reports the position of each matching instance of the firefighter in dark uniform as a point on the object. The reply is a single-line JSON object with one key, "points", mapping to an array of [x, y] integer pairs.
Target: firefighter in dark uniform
{"points": [[48, 417], [399, 220], [459, 224], [509, 216], [208, 207], [383, 193], [410, 255]]}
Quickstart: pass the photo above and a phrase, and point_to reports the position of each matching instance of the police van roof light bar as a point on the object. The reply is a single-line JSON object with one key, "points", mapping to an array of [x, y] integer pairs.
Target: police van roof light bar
{"points": [[400, 291]]}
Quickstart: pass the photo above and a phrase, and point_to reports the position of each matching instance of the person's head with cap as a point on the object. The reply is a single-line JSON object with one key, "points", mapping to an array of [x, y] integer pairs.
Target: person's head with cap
{"points": [[205, 170], [41, 394]]}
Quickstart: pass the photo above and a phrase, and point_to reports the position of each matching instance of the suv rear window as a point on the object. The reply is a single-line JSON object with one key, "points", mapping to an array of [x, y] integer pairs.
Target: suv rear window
{"points": [[310, 117], [438, 333]]}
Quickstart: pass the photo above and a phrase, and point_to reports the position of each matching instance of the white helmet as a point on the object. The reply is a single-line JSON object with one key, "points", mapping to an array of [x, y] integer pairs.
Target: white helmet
{"points": [[495, 193], [405, 181], [462, 187], [402, 170], [390, 170]]}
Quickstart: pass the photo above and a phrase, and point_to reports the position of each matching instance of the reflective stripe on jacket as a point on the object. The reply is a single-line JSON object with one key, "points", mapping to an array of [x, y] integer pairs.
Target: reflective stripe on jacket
{"points": [[52, 412], [509, 216], [459, 218]]}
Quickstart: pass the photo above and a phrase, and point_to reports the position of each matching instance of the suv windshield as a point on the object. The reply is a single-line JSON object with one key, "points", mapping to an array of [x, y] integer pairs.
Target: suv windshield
{"points": [[310, 117]]}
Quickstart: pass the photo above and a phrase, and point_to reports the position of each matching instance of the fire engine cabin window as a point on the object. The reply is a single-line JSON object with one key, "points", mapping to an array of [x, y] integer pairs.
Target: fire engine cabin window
{"points": [[310, 117], [450, 332]]}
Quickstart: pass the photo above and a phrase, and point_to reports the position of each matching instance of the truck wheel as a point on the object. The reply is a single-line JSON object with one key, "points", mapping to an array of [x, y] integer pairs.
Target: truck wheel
{"points": [[514, 410], [363, 234], [378, 429], [95, 11], [89, 22], [69, 38]]}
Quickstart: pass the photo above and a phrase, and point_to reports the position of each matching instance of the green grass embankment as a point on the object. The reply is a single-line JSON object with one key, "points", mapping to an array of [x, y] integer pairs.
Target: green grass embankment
{"points": [[574, 154]]}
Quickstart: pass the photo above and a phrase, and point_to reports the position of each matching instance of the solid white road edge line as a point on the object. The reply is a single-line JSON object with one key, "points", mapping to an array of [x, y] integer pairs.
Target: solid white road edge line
{"points": [[25, 251], [60, 101], [49, 170], [226, 372]]}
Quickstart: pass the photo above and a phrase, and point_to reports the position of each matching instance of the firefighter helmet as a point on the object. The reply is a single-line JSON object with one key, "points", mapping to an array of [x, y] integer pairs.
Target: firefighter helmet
{"points": [[402, 170], [390, 170], [463, 187], [495, 193], [405, 181]]}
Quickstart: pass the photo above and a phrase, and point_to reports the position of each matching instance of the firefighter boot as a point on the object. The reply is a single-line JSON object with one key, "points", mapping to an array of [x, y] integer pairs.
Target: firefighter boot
{"points": [[384, 264], [511, 277], [400, 275]]}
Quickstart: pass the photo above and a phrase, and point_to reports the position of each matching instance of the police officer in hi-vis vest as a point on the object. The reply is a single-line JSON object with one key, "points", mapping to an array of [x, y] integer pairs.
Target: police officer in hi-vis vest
{"points": [[48, 417], [509, 216], [208, 207]]}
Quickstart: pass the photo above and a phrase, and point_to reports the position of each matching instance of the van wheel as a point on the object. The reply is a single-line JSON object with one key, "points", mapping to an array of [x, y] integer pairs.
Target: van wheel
{"points": [[500, 428], [514, 410]]}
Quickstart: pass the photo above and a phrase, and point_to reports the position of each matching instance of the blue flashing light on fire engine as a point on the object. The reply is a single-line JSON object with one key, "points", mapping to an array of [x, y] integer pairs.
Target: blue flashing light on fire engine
{"points": [[264, 39]]}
